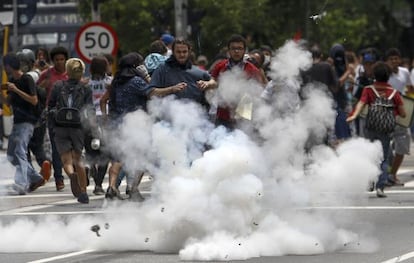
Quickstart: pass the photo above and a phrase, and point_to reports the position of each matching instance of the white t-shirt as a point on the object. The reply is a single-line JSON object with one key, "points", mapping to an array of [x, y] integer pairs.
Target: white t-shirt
{"points": [[98, 90], [412, 76], [400, 80]]}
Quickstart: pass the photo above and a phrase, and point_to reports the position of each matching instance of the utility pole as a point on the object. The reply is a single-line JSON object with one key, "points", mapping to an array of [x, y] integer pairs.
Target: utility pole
{"points": [[96, 12], [15, 26], [181, 23]]}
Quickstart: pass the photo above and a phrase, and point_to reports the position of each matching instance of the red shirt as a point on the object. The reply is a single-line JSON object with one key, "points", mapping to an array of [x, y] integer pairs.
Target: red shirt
{"points": [[223, 113], [53, 77], [385, 90]]}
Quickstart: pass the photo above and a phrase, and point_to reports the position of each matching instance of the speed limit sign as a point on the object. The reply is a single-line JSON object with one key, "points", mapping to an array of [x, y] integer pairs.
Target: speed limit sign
{"points": [[96, 38]]}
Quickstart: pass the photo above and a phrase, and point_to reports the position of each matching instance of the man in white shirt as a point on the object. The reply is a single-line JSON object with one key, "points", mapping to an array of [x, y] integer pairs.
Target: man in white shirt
{"points": [[401, 81]]}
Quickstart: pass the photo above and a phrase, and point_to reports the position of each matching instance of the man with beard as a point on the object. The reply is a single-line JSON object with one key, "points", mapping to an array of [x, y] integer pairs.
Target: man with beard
{"points": [[180, 77]]}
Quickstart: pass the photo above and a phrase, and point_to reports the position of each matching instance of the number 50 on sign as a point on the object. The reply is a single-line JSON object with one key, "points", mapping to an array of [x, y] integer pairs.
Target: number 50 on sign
{"points": [[94, 39]]}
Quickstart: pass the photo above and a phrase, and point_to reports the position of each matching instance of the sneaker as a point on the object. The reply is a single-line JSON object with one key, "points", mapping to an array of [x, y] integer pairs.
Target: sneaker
{"points": [[74, 184], [17, 189], [380, 193], [136, 196], [60, 185], [83, 198], [112, 193], [371, 186], [34, 186], [392, 182], [45, 171], [128, 190], [98, 190]]}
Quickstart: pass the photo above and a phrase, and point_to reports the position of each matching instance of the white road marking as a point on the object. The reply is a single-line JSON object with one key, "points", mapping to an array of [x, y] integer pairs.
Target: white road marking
{"points": [[400, 258], [59, 213], [361, 207], [27, 210], [34, 196], [74, 254]]}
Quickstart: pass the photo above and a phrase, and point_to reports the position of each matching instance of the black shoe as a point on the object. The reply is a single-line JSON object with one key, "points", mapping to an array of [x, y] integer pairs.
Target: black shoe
{"points": [[136, 196], [112, 193], [83, 198], [34, 186], [371, 186], [98, 190]]}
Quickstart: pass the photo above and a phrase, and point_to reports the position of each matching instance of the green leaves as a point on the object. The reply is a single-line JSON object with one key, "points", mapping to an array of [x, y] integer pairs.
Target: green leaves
{"points": [[353, 23]]}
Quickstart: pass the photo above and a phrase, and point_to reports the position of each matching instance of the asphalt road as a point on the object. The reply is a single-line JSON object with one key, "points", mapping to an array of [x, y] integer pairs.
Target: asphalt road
{"points": [[391, 220]]}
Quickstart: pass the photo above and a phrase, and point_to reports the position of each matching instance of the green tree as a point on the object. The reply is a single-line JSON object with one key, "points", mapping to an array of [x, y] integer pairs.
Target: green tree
{"points": [[354, 23]]}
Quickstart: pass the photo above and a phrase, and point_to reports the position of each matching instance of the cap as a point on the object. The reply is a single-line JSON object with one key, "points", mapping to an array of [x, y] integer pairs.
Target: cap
{"points": [[167, 39], [368, 57], [26, 54]]}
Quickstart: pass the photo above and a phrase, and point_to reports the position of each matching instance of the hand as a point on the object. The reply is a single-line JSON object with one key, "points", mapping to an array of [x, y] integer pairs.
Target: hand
{"points": [[350, 118], [142, 70], [11, 86], [202, 85], [179, 87]]}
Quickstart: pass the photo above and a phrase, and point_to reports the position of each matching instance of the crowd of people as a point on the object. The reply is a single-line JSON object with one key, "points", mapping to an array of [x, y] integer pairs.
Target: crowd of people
{"points": [[59, 114]]}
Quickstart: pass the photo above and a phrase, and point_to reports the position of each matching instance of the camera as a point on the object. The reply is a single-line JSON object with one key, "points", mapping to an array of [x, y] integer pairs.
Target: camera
{"points": [[42, 63]]}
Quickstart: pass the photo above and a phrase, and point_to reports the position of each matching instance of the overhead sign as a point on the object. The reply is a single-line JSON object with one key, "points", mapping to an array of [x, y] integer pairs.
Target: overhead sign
{"points": [[26, 10], [95, 38]]}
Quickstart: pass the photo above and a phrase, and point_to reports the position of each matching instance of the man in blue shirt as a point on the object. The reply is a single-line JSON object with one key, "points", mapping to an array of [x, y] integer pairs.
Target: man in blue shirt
{"points": [[180, 77]]}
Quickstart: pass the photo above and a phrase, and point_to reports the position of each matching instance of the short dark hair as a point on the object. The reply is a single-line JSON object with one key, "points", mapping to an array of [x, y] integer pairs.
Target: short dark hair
{"points": [[316, 51], [181, 41], [12, 60], [158, 47], [392, 52], [59, 51], [382, 71], [236, 38], [108, 57], [98, 66]]}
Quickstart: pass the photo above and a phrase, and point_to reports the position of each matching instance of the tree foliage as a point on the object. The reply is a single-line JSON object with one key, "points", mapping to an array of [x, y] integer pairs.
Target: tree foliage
{"points": [[353, 23]]}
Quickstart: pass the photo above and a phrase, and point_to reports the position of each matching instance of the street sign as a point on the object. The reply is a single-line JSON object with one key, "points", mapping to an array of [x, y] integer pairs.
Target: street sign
{"points": [[26, 10], [95, 38]]}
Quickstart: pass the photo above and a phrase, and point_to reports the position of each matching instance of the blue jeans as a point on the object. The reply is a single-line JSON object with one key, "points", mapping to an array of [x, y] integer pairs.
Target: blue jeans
{"points": [[17, 155], [56, 161], [385, 140]]}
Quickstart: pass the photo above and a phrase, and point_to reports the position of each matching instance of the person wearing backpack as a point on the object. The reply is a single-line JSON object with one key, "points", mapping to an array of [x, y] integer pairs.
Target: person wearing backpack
{"points": [[71, 105], [384, 103], [21, 96]]}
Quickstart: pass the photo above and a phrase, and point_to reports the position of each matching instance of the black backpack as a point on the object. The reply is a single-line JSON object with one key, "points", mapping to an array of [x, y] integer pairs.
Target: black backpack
{"points": [[380, 117], [69, 105]]}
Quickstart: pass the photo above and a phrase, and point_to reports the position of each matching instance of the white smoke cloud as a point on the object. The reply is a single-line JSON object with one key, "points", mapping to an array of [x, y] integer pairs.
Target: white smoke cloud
{"points": [[250, 193]]}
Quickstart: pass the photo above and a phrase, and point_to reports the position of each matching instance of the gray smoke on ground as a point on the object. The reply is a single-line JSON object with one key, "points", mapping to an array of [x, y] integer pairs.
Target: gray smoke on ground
{"points": [[261, 190]]}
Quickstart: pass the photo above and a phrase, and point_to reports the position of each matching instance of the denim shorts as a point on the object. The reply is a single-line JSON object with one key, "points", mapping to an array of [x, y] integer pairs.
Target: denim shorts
{"points": [[67, 139]]}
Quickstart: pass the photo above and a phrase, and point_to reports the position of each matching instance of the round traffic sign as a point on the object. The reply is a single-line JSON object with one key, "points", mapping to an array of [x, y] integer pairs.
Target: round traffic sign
{"points": [[95, 38]]}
